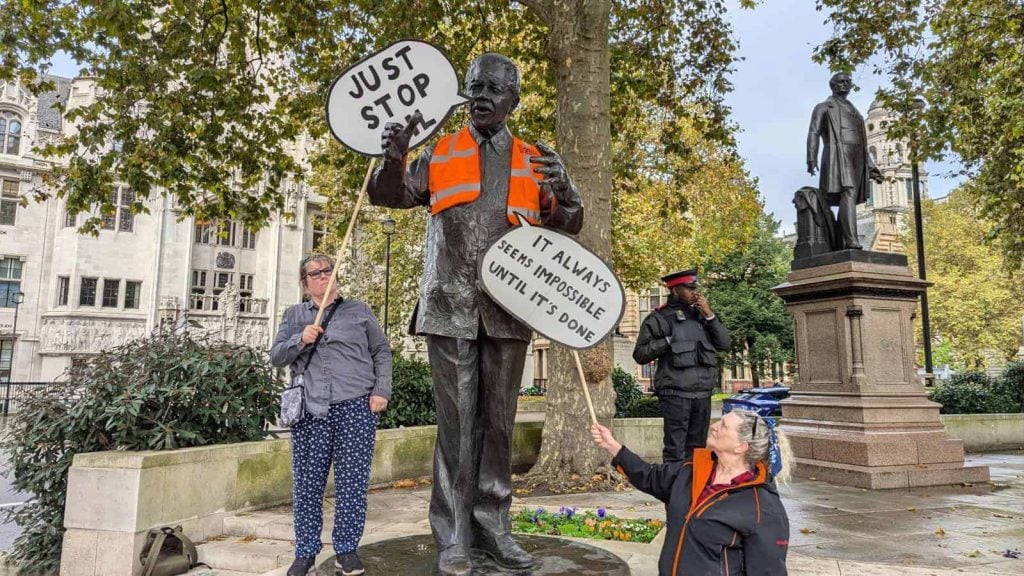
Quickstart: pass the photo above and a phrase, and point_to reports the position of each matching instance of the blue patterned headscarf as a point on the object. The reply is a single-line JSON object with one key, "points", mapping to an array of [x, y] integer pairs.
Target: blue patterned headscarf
{"points": [[774, 455]]}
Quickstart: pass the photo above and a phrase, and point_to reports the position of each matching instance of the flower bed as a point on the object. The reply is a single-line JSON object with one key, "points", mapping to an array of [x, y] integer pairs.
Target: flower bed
{"points": [[597, 525]]}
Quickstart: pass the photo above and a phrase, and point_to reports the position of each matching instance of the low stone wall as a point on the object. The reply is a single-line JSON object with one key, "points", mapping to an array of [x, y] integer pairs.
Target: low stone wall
{"points": [[114, 498], [986, 432], [409, 452]]}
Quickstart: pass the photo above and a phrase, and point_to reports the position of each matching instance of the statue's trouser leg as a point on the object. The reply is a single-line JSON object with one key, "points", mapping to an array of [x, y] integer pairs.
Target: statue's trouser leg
{"points": [[501, 373], [454, 368], [848, 218], [476, 386]]}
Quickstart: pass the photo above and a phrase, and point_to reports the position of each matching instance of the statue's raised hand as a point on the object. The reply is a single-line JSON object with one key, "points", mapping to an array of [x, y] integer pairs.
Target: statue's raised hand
{"points": [[556, 180], [395, 138]]}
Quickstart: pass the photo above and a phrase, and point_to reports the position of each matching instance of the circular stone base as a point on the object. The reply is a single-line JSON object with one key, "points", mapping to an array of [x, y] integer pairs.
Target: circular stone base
{"points": [[417, 556]]}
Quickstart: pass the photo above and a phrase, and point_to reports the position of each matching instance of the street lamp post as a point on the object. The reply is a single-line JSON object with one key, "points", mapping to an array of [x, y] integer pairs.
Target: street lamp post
{"points": [[388, 224], [19, 298], [926, 330]]}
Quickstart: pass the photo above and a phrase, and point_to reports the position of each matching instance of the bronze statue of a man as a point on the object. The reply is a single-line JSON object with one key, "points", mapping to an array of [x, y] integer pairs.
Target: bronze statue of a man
{"points": [[846, 165], [474, 182]]}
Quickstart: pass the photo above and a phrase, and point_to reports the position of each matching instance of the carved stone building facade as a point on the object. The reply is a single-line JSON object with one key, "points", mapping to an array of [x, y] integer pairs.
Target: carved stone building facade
{"points": [[889, 209], [72, 295]]}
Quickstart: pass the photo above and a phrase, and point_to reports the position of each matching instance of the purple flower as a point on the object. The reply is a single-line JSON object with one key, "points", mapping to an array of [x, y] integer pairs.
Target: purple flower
{"points": [[540, 510], [569, 512], [601, 512]]}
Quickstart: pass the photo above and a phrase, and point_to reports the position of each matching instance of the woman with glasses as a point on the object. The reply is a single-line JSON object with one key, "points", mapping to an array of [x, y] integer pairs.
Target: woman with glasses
{"points": [[724, 512], [345, 365]]}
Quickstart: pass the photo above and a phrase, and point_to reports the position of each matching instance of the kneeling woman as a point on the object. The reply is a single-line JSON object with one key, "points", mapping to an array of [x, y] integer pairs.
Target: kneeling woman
{"points": [[724, 512], [346, 364]]}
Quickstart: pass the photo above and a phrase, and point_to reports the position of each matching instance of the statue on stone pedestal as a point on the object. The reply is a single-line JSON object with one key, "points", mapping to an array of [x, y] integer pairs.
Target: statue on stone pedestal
{"points": [[474, 182], [846, 165]]}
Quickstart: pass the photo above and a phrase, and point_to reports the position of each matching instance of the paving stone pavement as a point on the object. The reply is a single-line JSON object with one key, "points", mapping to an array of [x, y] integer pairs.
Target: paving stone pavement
{"points": [[835, 531]]}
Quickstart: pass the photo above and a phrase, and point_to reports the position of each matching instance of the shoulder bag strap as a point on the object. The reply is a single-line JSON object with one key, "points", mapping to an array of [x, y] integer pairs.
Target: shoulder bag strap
{"points": [[154, 553], [327, 319]]}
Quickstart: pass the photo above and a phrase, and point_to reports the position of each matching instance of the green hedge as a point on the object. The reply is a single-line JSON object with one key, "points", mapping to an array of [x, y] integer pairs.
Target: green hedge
{"points": [[630, 402], [412, 394], [976, 393], [158, 393]]}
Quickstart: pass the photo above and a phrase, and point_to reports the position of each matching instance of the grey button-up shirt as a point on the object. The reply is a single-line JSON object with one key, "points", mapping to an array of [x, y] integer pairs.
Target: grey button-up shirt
{"points": [[353, 358], [451, 303]]}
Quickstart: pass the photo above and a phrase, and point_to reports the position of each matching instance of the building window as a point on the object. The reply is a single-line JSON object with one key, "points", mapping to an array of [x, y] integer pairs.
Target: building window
{"points": [[9, 198], [908, 190], [248, 239], [70, 220], [63, 287], [111, 289], [245, 291], [221, 280], [125, 216], [10, 133], [6, 360], [87, 292], [647, 370], [222, 234], [10, 281], [226, 234], [132, 294], [121, 217], [204, 233], [318, 223], [198, 289], [874, 154]]}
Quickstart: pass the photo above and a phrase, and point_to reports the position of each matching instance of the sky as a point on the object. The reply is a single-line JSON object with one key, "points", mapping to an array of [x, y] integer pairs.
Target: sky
{"points": [[776, 85]]}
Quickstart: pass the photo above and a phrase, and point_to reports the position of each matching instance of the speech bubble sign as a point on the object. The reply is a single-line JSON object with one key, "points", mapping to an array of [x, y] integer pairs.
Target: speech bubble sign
{"points": [[554, 285], [390, 86]]}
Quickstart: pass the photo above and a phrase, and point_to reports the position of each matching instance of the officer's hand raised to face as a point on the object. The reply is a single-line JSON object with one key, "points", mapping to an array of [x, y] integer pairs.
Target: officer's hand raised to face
{"points": [[701, 302], [556, 180], [395, 138]]}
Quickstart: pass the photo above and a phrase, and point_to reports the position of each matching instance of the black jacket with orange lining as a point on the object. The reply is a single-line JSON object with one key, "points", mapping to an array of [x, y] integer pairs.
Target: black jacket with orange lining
{"points": [[740, 531]]}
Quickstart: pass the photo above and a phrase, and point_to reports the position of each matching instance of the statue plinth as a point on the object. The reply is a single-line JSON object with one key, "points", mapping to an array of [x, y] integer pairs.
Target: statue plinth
{"points": [[858, 415]]}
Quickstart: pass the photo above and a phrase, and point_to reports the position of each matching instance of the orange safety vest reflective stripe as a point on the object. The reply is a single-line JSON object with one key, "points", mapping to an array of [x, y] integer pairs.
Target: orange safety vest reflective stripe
{"points": [[455, 177]]}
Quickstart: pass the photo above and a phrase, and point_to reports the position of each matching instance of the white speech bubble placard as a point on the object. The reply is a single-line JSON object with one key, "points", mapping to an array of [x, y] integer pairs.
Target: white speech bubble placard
{"points": [[390, 86], [554, 285]]}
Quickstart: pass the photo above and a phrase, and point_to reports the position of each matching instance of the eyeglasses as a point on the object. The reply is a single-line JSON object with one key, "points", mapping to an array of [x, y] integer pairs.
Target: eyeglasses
{"points": [[318, 273]]}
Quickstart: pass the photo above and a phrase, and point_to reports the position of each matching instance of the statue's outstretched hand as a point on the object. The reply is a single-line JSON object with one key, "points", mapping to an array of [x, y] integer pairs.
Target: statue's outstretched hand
{"points": [[812, 168], [875, 174], [395, 138], [556, 180]]}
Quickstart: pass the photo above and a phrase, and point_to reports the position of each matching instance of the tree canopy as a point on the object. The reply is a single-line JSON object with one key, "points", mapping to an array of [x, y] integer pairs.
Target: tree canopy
{"points": [[966, 59], [974, 303], [739, 288]]}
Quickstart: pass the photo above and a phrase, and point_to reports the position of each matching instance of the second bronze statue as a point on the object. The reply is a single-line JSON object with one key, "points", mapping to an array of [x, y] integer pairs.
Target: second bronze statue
{"points": [[846, 166]]}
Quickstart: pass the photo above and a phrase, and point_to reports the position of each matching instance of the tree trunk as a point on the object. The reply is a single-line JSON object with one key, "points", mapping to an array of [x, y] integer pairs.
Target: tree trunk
{"points": [[577, 47], [755, 364]]}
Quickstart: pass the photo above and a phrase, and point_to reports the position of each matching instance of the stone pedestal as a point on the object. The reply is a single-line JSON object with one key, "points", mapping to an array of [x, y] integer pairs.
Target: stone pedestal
{"points": [[858, 415]]}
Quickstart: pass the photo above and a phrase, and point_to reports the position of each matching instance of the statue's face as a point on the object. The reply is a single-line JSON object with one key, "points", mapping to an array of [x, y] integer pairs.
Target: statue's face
{"points": [[841, 84], [490, 87]]}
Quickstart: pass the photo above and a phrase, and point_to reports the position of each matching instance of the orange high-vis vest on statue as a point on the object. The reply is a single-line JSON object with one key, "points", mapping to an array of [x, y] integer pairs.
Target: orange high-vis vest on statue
{"points": [[455, 177]]}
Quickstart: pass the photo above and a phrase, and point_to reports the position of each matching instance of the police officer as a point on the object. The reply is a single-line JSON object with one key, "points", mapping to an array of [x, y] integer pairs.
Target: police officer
{"points": [[683, 336]]}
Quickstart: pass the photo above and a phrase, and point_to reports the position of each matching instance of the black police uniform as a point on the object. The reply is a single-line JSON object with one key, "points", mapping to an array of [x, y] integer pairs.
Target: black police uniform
{"points": [[684, 344]]}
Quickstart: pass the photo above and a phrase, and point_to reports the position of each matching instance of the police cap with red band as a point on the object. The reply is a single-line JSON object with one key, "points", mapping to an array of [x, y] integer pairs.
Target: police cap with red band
{"points": [[686, 278]]}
